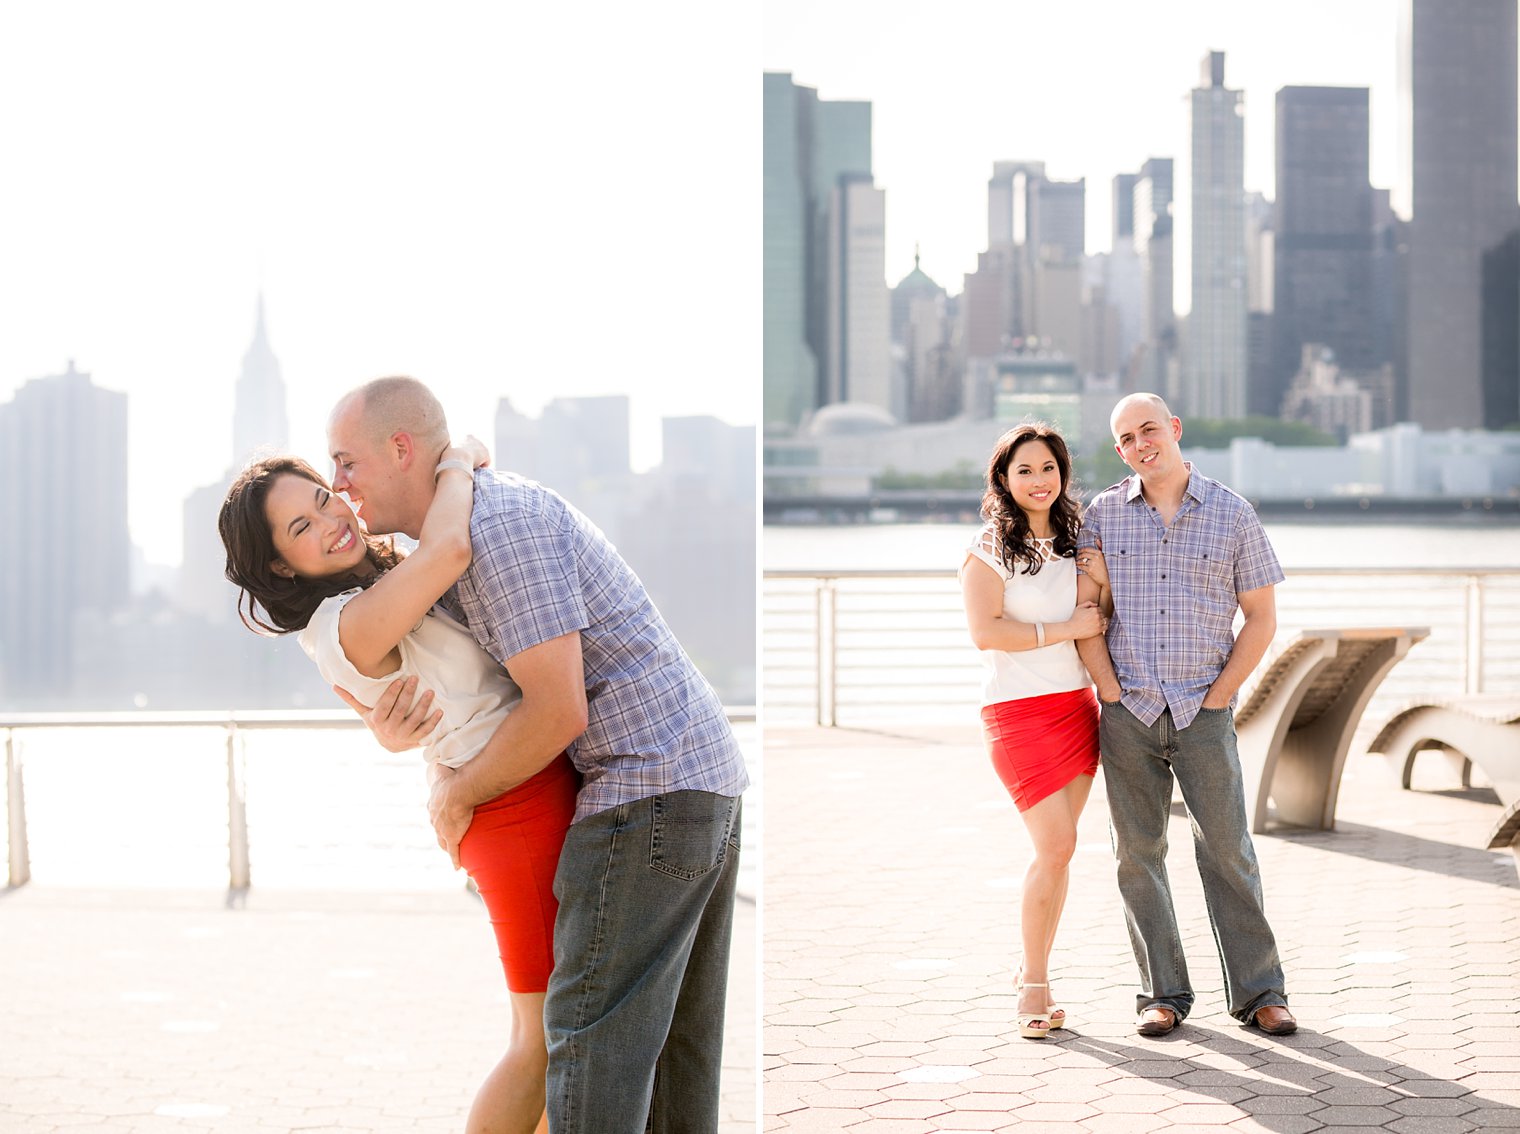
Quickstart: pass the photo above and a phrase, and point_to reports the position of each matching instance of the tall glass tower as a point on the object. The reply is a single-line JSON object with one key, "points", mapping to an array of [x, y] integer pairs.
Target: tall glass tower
{"points": [[1214, 373], [1322, 276], [1457, 85], [817, 165]]}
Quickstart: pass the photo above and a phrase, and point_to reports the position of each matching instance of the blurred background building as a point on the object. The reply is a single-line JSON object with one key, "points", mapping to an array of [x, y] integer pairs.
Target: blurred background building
{"points": [[83, 625], [1315, 317]]}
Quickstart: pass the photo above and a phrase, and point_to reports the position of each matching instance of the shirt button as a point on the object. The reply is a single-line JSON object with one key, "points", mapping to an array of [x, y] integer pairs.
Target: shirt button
{"points": [[1163, 576]]}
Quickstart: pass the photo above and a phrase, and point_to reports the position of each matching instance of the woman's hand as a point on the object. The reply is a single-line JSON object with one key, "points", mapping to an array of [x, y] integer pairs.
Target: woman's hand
{"points": [[398, 721], [1087, 621], [472, 450], [1091, 563]]}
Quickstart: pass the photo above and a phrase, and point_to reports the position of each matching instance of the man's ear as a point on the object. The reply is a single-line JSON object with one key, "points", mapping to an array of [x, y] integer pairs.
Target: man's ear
{"points": [[282, 569], [1176, 429], [403, 450]]}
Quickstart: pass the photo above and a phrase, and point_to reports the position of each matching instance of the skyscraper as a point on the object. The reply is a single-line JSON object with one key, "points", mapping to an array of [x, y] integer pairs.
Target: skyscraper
{"points": [[1154, 241], [259, 419], [816, 159], [1059, 231], [63, 506], [260, 424], [1457, 85], [1123, 279], [859, 306], [1214, 368], [1322, 270]]}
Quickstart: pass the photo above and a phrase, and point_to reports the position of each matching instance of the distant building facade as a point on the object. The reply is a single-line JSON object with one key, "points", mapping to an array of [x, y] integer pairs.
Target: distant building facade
{"points": [[1154, 246], [1214, 371], [1323, 261], [1458, 91], [63, 507], [818, 249]]}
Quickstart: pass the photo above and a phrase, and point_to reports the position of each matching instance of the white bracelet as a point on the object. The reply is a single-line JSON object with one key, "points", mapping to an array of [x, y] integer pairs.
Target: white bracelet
{"points": [[452, 463], [1039, 634]]}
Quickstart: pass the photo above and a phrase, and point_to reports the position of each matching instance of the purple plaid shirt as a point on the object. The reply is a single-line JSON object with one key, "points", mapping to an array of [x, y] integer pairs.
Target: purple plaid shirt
{"points": [[1175, 589], [542, 570]]}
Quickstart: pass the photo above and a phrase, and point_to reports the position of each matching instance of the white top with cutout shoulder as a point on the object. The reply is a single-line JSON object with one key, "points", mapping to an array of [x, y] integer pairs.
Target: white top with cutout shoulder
{"points": [[1047, 596], [473, 691]]}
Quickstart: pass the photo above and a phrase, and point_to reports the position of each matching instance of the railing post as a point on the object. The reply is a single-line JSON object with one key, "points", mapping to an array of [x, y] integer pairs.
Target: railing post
{"points": [[1472, 637], [828, 653], [15, 798], [237, 820]]}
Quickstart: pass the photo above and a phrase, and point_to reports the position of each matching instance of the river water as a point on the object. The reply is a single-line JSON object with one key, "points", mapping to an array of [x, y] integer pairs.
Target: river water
{"points": [[1354, 543]]}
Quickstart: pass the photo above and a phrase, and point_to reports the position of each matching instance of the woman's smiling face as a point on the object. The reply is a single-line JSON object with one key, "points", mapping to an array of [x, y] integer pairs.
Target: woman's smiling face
{"points": [[1033, 476], [315, 531]]}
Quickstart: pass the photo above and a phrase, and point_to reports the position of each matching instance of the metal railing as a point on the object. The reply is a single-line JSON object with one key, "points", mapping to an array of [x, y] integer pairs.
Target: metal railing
{"points": [[867, 646], [235, 725]]}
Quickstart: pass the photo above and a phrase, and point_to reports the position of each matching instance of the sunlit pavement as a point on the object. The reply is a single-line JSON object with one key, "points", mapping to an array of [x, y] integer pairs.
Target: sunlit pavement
{"points": [[893, 871], [128, 1011]]}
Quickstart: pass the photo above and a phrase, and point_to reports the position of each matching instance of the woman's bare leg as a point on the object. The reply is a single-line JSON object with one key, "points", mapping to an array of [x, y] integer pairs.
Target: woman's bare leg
{"points": [[1052, 826], [511, 1100]]}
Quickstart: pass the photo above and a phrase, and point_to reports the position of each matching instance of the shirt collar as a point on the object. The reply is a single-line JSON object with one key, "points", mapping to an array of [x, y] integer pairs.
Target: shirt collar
{"points": [[1197, 485]]}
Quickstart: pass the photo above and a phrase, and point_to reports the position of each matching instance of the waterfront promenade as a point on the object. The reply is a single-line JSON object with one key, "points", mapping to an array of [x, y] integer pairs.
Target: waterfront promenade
{"points": [[893, 867], [143, 1011]]}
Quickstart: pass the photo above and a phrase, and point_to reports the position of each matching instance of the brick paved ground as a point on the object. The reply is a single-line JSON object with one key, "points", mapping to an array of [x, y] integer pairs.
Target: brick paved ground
{"points": [[146, 1011], [893, 865]]}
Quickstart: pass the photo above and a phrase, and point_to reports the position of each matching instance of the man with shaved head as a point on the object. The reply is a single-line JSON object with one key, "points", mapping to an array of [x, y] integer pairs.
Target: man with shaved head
{"points": [[634, 1010], [1183, 554]]}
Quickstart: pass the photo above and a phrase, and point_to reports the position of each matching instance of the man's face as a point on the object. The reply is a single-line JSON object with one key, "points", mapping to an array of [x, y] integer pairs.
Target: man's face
{"points": [[364, 470], [1147, 440]]}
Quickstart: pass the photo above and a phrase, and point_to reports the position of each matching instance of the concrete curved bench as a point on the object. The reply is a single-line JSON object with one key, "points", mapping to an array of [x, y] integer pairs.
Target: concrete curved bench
{"points": [[1296, 723], [1481, 729]]}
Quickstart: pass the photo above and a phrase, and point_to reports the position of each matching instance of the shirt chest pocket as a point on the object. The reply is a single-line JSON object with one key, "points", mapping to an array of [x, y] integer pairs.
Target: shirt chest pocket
{"points": [[1209, 556]]}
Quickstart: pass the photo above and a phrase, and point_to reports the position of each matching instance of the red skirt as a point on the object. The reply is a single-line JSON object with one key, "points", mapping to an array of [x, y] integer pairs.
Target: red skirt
{"points": [[1040, 744], [512, 851]]}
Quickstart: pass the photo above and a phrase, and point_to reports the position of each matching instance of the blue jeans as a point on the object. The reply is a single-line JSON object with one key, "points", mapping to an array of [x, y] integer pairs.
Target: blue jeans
{"points": [[1139, 764], [634, 1011]]}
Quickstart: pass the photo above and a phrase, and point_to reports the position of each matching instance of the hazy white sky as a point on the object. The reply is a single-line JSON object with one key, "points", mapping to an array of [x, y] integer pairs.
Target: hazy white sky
{"points": [[530, 200], [1091, 87]]}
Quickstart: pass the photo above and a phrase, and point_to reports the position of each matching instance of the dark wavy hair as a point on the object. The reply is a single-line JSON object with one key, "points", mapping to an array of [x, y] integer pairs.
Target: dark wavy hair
{"points": [[1008, 520], [268, 603]]}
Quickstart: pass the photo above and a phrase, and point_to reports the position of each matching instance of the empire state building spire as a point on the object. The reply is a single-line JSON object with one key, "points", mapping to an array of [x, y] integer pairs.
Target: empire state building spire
{"points": [[259, 419]]}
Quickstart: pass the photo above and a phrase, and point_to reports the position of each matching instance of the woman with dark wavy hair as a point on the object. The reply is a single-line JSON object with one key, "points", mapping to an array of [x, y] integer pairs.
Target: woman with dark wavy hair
{"points": [[304, 564], [1039, 715]]}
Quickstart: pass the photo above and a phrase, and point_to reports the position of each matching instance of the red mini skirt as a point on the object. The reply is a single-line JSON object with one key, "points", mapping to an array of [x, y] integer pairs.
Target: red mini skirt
{"points": [[512, 851], [1040, 744]]}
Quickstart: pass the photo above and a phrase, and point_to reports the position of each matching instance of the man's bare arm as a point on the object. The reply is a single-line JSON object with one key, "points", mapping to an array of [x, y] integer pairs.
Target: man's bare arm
{"points": [[551, 715], [1251, 645]]}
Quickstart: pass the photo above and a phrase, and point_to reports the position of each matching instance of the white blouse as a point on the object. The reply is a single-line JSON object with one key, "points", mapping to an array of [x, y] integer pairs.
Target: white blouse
{"points": [[468, 684], [1049, 596]]}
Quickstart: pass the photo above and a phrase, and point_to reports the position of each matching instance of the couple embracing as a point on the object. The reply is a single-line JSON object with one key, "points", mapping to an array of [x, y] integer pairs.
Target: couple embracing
{"points": [[1136, 597], [580, 768]]}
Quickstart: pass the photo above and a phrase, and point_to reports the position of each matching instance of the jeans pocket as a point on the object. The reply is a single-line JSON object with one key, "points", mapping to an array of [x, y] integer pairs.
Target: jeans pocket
{"points": [[690, 833]]}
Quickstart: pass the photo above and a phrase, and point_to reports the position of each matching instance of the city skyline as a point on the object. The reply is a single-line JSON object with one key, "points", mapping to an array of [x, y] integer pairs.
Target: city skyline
{"points": [[946, 93], [441, 196]]}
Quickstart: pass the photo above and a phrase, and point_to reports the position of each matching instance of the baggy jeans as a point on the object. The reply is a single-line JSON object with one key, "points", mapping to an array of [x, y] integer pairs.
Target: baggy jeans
{"points": [[1139, 764], [634, 1011]]}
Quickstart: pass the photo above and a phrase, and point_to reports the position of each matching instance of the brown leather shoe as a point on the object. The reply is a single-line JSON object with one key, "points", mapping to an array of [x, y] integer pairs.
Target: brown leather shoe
{"points": [[1275, 1020], [1156, 1020]]}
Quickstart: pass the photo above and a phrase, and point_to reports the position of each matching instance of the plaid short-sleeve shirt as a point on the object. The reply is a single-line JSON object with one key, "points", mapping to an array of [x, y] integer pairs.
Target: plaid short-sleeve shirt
{"points": [[1176, 589], [542, 570]]}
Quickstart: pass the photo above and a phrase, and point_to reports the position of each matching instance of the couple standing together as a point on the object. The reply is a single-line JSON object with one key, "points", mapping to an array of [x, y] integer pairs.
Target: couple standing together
{"points": [[1136, 597], [580, 767]]}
